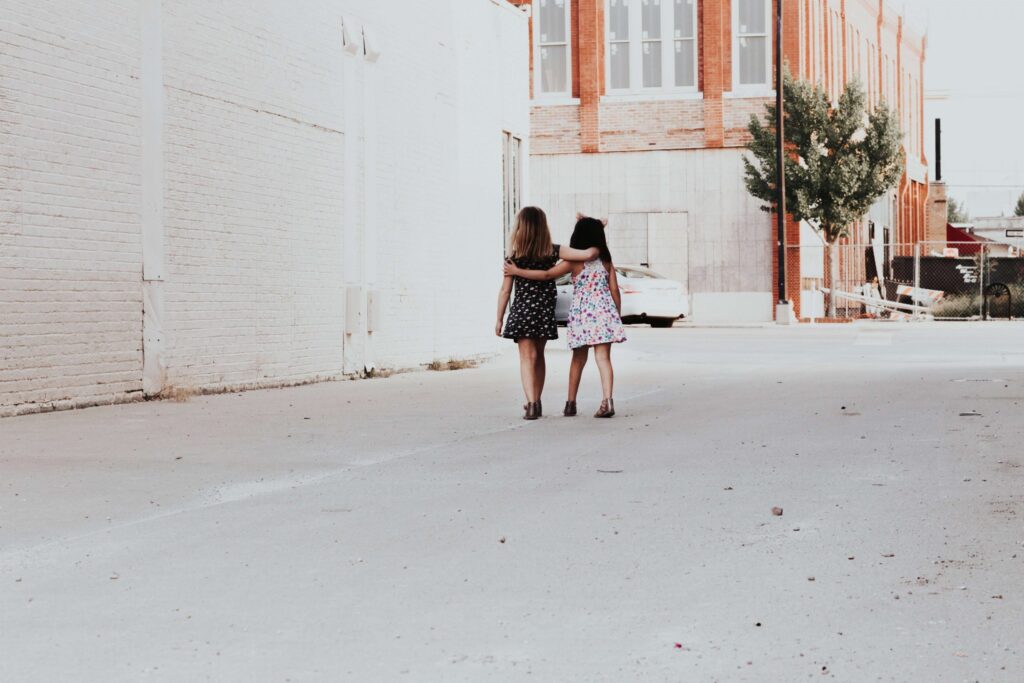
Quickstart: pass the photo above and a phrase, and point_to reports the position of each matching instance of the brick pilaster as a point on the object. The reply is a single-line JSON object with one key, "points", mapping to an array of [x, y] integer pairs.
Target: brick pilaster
{"points": [[590, 50], [715, 22]]}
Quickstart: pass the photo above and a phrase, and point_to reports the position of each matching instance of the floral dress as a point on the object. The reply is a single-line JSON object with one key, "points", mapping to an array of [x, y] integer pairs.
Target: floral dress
{"points": [[593, 318], [533, 310]]}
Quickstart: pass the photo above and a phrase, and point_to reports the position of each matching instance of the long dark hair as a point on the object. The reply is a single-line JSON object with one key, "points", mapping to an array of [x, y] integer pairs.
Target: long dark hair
{"points": [[589, 232]]}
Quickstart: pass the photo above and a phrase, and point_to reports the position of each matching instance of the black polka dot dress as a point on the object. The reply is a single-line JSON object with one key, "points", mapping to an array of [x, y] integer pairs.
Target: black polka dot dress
{"points": [[533, 308]]}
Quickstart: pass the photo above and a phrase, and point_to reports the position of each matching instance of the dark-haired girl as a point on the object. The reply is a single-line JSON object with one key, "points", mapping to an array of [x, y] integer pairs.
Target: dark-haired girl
{"points": [[595, 315]]}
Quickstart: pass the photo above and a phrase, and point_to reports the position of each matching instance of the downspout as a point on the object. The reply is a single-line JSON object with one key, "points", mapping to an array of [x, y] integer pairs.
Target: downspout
{"points": [[352, 262], [154, 368], [369, 265]]}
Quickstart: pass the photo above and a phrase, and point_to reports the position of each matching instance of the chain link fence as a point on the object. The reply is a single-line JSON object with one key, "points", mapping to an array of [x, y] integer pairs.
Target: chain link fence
{"points": [[927, 280]]}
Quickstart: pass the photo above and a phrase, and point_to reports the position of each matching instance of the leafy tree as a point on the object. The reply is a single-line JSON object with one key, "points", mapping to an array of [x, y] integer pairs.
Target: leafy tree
{"points": [[1019, 209], [841, 160], [957, 212]]}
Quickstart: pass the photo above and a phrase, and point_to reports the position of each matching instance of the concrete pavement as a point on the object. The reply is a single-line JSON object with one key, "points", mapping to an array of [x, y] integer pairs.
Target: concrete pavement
{"points": [[414, 528]]}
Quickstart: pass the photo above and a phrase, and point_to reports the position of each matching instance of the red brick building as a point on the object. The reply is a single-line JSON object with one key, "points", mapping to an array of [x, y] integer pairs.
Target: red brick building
{"points": [[640, 110]]}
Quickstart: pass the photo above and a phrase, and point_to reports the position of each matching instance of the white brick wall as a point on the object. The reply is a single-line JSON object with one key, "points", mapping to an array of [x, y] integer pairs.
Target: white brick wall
{"points": [[264, 225], [70, 255], [253, 154]]}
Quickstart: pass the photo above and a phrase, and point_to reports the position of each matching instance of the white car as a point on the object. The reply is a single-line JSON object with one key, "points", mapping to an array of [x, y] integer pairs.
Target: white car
{"points": [[646, 297]]}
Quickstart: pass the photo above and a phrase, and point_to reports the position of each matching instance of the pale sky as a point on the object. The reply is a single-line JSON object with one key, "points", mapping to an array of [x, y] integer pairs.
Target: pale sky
{"points": [[975, 61]]}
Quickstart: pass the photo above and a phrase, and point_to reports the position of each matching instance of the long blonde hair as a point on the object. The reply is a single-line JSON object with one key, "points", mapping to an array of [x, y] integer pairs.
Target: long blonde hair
{"points": [[531, 237]]}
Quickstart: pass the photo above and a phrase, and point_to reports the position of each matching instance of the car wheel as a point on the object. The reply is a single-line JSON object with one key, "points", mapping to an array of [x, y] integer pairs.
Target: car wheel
{"points": [[661, 322]]}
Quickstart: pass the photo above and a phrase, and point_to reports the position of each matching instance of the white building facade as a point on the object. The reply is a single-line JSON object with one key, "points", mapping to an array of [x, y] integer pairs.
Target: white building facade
{"points": [[207, 196]]}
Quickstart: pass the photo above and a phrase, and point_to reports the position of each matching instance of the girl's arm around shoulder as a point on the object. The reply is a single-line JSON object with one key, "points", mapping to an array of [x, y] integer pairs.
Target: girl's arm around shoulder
{"points": [[558, 271], [569, 254], [613, 285]]}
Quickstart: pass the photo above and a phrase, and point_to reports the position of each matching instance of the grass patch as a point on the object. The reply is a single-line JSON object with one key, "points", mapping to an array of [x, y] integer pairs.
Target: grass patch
{"points": [[451, 364], [384, 373], [179, 394], [970, 305]]}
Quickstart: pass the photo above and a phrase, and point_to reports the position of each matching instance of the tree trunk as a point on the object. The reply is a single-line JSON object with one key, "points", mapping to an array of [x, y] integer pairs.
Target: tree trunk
{"points": [[833, 277]]}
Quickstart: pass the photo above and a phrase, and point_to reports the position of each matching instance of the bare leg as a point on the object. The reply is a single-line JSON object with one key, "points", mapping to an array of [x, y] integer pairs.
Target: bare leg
{"points": [[603, 356], [527, 360], [579, 361], [540, 368]]}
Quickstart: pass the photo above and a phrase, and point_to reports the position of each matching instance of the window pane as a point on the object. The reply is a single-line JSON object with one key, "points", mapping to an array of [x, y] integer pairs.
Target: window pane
{"points": [[752, 16], [684, 18], [618, 20], [684, 64], [552, 21], [553, 68], [652, 64], [619, 61], [651, 15], [753, 65]]}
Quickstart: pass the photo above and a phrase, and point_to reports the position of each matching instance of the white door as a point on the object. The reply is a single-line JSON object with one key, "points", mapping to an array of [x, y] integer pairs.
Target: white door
{"points": [[668, 246], [656, 240], [627, 238]]}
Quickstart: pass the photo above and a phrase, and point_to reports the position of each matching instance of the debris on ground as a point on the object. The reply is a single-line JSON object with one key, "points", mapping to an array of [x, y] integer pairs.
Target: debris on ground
{"points": [[777, 511]]}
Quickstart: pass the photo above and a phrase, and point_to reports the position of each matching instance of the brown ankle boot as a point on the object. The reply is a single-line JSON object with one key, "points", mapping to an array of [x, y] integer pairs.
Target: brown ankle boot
{"points": [[532, 411], [570, 409], [607, 408]]}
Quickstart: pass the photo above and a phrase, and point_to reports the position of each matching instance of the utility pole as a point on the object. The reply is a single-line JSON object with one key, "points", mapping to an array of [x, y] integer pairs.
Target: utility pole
{"points": [[783, 309]]}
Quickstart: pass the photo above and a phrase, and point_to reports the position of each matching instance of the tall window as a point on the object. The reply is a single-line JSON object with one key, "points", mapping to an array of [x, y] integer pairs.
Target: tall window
{"points": [[618, 44], [552, 32], [650, 15], [685, 43], [752, 56], [512, 180], [652, 45]]}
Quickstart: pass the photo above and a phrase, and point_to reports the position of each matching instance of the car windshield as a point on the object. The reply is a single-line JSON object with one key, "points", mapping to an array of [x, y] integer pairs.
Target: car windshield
{"points": [[638, 273]]}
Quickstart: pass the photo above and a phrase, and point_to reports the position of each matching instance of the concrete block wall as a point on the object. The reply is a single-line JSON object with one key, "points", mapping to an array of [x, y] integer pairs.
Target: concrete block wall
{"points": [[729, 243], [263, 175]]}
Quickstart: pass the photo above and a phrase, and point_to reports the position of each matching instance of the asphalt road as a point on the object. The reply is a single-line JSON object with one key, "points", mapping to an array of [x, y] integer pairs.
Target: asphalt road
{"points": [[415, 529]]}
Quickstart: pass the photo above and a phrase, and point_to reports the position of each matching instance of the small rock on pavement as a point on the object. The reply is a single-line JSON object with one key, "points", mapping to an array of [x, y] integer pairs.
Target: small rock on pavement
{"points": [[501, 540], [777, 511]]}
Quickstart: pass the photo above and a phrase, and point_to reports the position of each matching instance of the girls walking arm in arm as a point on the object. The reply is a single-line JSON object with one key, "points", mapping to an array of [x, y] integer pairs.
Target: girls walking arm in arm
{"points": [[531, 316]]}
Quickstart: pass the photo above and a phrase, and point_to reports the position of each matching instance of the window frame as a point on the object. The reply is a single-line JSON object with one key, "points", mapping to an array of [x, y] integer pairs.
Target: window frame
{"points": [[766, 87], [538, 70], [635, 42]]}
